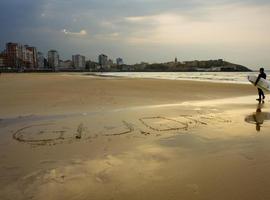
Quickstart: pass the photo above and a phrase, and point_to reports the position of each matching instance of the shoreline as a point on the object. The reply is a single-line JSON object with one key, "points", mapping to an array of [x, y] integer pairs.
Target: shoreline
{"points": [[199, 79], [111, 75]]}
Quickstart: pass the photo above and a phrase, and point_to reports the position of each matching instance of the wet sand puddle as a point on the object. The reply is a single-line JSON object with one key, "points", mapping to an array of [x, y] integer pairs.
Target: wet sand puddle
{"points": [[260, 118]]}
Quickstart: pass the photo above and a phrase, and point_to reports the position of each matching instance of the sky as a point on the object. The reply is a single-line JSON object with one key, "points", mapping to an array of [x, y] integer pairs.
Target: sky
{"points": [[142, 30]]}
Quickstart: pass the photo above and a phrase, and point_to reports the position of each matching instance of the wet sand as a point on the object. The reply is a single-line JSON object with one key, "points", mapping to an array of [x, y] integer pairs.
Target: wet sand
{"points": [[118, 138], [26, 94]]}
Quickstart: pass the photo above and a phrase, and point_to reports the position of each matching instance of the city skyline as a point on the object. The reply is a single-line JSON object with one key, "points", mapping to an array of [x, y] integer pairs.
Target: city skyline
{"points": [[150, 31], [18, 56]]}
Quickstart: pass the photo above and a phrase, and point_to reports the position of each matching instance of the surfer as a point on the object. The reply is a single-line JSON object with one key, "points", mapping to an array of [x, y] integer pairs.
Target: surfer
{"points": [[260, 91]]}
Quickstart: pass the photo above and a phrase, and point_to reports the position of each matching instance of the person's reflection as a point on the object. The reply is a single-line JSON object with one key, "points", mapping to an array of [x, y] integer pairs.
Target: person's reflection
{"points": [[259, 117]]}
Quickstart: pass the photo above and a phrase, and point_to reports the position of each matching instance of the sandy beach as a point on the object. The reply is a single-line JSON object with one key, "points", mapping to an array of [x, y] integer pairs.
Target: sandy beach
{"points": [[79, 137]]}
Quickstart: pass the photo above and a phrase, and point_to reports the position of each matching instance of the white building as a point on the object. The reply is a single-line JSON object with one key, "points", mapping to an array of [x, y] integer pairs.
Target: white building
{"points": [[78, 61], [53, 59]]}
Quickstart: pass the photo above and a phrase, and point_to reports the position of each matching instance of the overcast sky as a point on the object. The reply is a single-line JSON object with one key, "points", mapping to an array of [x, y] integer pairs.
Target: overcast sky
{"points": [[143, 30]]}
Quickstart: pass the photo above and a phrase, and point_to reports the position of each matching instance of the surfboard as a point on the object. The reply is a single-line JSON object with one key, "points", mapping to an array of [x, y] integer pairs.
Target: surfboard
{"points": [[262, 83]]}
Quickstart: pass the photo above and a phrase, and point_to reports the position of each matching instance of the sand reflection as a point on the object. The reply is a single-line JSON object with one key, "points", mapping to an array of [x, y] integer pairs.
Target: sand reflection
{"points": [[258, 117], [177, 152], [184, 167]]}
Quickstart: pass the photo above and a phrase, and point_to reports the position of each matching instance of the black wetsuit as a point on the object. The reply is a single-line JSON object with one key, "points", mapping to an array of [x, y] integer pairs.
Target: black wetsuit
{"points": [[260, 92]]}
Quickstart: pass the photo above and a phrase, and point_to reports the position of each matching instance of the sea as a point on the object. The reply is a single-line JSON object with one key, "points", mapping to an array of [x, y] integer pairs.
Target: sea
{"points": [[224, 77]]}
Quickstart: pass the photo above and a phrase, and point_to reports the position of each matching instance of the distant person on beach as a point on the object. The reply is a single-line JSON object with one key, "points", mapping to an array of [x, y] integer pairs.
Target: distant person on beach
{"points": [[260, 91]]}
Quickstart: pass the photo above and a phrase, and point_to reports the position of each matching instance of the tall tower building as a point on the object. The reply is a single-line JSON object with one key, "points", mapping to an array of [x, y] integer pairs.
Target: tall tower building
{"points": [[15, 55], [40, 60], [103, 60], [21, 56], [32, 56], [53, 59], [78, 61]]}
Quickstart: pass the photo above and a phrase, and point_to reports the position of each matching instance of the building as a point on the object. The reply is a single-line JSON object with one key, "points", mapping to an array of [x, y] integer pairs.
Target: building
{"points": [[40, 60], [15, 55], [110, 63], [3, 60], [31, 56], [78, 61], [21, 56], [53, 59], [66, 64], [119, 61], [28, 58], [92, 66], [103, 60]]}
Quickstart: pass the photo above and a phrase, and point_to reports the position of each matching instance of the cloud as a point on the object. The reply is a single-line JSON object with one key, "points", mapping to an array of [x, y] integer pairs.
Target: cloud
{"points": [[81, 33], [174, 25], [224, 25], [136, 18]]}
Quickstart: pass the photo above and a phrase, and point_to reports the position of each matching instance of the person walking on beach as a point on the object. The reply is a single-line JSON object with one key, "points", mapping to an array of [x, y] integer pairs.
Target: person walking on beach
{"points": [[260, 91]]}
